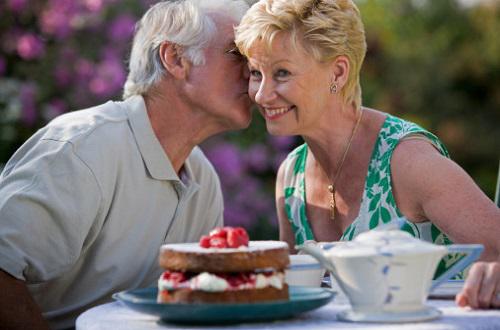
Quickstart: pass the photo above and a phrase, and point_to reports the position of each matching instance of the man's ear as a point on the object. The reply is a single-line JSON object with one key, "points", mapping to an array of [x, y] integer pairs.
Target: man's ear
{"points": [[340, 68], [173, 61]]}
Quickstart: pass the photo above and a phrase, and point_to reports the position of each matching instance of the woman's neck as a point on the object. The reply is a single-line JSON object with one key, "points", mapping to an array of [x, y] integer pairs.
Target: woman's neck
{"points": [[329, 142]]}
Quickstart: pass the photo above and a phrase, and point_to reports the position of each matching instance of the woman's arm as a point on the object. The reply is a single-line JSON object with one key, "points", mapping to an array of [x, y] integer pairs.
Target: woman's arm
{"points": [[430, 186], [285, 229]]}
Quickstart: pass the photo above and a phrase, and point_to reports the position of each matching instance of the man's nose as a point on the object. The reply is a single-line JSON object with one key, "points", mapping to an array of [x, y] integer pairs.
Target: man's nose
{"points": [[245, 72]]}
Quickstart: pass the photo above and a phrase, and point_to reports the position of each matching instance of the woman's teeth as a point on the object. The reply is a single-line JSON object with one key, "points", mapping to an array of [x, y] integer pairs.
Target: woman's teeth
{"points": [[278, 111]]}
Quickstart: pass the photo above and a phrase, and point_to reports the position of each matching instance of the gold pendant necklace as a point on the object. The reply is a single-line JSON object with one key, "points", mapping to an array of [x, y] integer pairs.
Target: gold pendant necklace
{"points": [[331, 187]]}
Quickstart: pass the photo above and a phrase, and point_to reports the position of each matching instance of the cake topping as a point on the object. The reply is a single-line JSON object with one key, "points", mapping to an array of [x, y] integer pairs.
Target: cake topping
{"points": [[225, 237]]}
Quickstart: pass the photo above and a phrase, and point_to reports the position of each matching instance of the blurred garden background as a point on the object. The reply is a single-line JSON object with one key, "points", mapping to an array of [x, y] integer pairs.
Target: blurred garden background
{"points": [[435, 62]]}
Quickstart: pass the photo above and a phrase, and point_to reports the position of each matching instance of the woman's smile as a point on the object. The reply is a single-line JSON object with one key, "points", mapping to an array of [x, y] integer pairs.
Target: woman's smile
{"points": [[275, 113]]}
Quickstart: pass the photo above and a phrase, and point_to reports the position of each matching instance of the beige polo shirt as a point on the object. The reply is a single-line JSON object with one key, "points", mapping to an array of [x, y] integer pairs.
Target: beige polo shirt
{"points": [[87, 201]]}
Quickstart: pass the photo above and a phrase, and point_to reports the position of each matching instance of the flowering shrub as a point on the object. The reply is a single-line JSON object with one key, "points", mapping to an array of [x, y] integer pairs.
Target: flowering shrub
{"points": [[247, 176], [57, 56]]}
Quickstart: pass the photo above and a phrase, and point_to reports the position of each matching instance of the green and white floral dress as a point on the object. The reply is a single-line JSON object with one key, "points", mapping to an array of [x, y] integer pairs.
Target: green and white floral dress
{"points": [[378, 205]]}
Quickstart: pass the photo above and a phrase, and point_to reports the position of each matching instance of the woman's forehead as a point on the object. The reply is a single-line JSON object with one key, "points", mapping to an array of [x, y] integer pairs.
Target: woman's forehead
{"points": [[281, 45]]}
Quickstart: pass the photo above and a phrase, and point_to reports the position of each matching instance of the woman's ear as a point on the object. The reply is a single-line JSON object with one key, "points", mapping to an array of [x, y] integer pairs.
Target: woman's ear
{"points": [[173, 61], [340, 71]]}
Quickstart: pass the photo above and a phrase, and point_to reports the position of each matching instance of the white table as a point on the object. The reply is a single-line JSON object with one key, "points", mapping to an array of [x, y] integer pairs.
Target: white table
{"points": [[119, 317]]}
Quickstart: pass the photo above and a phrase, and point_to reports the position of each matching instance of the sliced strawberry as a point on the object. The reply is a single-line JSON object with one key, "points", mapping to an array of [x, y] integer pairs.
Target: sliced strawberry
{"points": [[237, 237], [235, 281], [176, 277], [218, 242], [219, 232], [205, 241]]}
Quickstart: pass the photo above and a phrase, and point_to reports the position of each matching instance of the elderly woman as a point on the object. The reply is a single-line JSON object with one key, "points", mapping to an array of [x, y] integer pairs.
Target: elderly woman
{"points": [[359, 167]]}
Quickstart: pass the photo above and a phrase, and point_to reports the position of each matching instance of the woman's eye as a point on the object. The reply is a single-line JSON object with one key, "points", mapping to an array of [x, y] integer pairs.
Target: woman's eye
{"points": [[282, 73], [255, 74]]}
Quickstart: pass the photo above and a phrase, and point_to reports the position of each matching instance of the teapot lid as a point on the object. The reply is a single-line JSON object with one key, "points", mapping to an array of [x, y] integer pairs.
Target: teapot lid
{"points": [[375, 242]]}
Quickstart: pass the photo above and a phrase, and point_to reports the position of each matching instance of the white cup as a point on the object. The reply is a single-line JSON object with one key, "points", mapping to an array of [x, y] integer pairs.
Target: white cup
{"points": [[304, 270]]}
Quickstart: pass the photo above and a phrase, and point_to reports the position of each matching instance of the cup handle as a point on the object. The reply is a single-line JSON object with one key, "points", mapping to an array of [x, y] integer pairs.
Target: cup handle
{"points": [[472, 252]]}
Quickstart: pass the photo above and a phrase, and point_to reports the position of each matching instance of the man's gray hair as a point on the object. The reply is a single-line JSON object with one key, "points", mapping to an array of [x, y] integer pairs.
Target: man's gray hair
{"points": [[183, 22]]}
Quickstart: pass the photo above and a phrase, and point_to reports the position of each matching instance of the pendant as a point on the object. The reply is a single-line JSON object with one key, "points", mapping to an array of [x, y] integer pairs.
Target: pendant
{"points": [[331, 189]]}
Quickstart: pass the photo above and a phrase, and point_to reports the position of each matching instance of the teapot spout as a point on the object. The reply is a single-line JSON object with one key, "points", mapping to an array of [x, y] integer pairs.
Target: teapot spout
{"points": [[318, 254]]}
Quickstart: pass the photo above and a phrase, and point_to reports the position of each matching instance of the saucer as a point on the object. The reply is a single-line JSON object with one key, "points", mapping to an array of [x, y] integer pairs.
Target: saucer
{"points": [[426, 314], [302, 299]]}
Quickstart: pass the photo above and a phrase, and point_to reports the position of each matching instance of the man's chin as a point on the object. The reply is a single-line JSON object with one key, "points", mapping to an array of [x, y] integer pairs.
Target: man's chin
{"points": [[242, 124]]}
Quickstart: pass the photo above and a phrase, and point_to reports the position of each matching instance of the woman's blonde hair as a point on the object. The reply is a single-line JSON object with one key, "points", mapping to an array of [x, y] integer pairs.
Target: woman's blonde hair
{"points": [[324, 28]]}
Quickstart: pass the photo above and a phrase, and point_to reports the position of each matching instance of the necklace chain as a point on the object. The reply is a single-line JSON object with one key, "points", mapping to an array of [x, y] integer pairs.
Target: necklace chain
{"points": [[331, 187]]}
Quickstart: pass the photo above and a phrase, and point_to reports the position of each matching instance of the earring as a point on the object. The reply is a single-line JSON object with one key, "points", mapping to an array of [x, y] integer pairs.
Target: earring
{"points": [[333, 88]]}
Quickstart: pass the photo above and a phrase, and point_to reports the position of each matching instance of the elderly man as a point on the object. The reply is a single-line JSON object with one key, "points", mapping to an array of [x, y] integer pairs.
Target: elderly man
{"points": [[87, 201]]}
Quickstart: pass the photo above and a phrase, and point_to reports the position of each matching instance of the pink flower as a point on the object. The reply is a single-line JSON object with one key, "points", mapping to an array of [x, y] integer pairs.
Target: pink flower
{"points": [[121, 28], [257, 158], [62, 76], [56, 19], [283, 142], [93, 5], [27, 95], [17, 6], [84, 69], [227, 161], [30, 46], [109, 79]]}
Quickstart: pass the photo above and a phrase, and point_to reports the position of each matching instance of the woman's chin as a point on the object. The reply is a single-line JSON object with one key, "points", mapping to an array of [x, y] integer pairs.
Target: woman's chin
{"points": [[278, 131]]}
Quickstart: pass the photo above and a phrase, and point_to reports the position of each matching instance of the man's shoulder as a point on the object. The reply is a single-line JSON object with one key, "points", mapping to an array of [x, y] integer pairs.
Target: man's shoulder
{"points": [[78, 125]]}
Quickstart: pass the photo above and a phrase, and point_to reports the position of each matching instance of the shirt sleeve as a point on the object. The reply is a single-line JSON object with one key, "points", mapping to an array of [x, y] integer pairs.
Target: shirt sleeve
{"points": [[49, 199]]}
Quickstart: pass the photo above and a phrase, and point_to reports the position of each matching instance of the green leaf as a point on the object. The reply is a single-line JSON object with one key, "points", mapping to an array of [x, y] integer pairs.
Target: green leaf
{"points": [[374, 220], [300, 162], [384, 183], [406, 227], [289, 191], [386, 216], [351, 234]]}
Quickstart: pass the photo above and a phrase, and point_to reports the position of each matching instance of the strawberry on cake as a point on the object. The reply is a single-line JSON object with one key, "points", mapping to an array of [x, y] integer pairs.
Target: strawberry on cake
{"points": [[223, 267]]}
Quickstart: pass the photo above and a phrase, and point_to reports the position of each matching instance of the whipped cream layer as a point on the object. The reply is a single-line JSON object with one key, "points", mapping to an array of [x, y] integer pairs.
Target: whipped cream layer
{"points": [[219, 283], [376, 242]]}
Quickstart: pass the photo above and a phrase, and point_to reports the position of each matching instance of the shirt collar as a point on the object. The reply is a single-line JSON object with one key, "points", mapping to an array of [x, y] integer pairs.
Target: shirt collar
{"points": [[157, 162]]}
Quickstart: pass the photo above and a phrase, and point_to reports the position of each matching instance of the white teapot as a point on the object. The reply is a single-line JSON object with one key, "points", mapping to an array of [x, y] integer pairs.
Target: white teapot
{"points": [[388, 271]]}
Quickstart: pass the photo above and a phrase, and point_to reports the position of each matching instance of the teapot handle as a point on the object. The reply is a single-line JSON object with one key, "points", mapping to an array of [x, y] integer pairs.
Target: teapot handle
{"points": [[471, 251]]}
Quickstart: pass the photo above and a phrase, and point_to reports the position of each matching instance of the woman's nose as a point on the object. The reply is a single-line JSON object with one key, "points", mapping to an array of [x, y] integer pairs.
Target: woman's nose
{"points": [[265, 92]]}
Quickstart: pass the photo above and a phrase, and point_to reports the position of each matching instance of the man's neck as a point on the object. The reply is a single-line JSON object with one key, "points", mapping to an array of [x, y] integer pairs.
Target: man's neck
{"points": [[177, 127]]}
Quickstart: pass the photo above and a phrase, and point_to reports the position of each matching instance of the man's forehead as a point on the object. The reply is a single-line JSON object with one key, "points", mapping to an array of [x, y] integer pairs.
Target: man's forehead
{"points": [[223, 40], [224, 35]]}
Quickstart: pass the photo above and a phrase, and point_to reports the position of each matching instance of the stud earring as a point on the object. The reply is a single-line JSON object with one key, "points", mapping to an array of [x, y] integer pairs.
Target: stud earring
{"points": [[333, 88]]}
